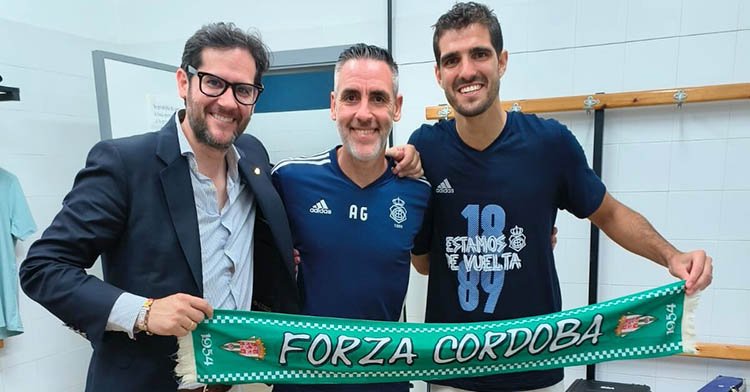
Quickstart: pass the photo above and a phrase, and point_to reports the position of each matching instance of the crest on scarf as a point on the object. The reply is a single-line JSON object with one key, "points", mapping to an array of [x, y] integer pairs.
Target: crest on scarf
{"points": [[252, 348], [632, 322]]}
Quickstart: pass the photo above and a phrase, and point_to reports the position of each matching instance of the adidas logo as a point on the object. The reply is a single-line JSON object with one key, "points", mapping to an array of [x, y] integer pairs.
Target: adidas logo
{"points": [[320, 208], [444, 187]]}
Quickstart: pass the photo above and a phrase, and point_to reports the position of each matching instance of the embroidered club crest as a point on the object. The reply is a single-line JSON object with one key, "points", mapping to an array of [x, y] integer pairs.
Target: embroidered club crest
{"points": [[632, 322], [398, 211], [517, 239], [252, 348]]}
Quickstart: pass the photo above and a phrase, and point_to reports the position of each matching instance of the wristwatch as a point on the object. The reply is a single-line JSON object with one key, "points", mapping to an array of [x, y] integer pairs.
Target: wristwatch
{"points": [[141, 323]]}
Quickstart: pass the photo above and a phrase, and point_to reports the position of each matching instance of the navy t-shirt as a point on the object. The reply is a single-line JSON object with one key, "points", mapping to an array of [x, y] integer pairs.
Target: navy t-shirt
{"points": [[488, 230], [354, 243]]}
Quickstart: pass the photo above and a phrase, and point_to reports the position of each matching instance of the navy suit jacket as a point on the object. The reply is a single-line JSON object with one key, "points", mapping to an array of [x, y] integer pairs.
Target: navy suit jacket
{"points": [[133, 205]]}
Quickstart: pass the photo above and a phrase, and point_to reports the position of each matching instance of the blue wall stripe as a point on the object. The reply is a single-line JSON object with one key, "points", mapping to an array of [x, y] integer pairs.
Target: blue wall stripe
{"points": [[296, 91]]}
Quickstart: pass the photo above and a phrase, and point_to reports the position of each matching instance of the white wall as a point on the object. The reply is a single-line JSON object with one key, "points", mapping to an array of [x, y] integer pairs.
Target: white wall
{"points": [[158, 30], [44, 139], [684, 169]]}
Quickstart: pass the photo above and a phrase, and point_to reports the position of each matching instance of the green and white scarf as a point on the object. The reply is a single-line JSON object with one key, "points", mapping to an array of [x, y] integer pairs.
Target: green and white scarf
{"points": [[236, 347]]}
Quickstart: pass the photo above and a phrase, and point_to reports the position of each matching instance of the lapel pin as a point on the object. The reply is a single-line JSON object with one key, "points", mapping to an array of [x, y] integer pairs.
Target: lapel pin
{"points": [[257, 171]]}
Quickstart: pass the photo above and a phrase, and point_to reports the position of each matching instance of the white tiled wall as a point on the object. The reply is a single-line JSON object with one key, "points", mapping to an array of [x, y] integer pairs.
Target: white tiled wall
{"points": [[541, 16], [685, 178], [44, 139], [684, 169], [648, 19], [283, 24]]}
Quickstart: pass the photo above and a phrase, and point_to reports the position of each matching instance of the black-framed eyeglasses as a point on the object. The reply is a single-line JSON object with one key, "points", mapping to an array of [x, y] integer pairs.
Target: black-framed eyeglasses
{"points": [[213, 86]]}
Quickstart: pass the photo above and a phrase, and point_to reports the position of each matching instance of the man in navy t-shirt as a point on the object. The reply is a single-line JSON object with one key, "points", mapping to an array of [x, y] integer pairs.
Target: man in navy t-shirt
{"points": [[498, 180], [352, 219]]}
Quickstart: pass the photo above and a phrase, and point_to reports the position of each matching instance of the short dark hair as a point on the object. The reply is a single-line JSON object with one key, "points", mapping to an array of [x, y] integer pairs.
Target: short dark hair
{"points": [[226, 36], [461, 16], [365, 51]]}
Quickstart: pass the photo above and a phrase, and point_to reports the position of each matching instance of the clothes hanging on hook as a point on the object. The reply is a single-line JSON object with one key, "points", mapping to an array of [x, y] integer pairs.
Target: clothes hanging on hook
{"points": [[16, 223]]}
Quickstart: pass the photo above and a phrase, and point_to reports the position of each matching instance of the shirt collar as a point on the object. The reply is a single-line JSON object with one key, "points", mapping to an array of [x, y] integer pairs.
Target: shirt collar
{"points": [[233, 156]]}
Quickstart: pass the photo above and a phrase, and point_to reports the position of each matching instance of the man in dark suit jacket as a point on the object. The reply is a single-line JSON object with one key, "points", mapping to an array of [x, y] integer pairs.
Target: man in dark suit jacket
{"points": [[140, 203]]}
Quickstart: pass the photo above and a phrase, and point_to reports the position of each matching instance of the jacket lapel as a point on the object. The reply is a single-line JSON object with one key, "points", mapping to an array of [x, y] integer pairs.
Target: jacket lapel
{"points": [[175, 180], [256, 176]]}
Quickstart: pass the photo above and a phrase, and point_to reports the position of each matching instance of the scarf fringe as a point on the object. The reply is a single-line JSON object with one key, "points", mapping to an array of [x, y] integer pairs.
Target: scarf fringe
{"points": [[186, 368], [688, 323]]}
